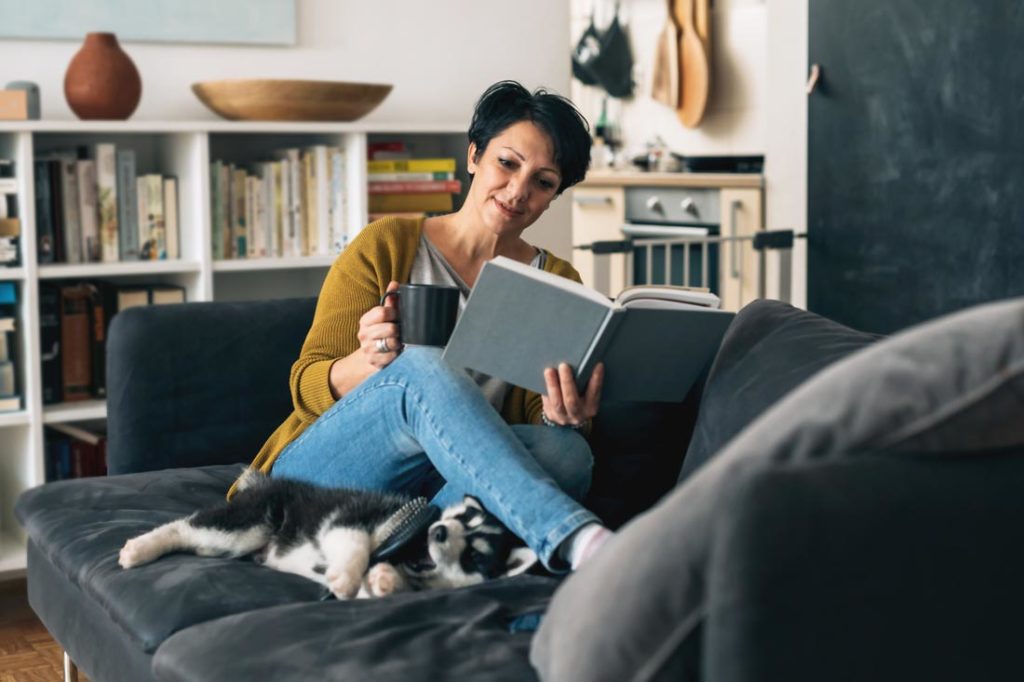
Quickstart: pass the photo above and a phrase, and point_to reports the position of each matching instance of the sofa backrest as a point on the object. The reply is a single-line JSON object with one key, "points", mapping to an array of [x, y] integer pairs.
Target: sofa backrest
{"points": [[199, 383]]}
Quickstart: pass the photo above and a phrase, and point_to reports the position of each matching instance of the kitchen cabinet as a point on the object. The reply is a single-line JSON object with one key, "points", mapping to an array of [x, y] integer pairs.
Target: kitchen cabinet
{"points": [[602, 207]]}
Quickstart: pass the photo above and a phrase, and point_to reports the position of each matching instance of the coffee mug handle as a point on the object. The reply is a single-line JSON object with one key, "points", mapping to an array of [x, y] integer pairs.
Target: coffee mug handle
{"points": [[384, 298]]}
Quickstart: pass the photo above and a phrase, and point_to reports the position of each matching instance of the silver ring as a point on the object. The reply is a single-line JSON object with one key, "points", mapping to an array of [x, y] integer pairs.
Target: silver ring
{"points": [[382, 346]]}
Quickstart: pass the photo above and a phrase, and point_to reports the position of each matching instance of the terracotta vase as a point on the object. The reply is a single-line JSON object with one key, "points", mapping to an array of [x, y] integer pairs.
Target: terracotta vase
{"points": [[101, 80]]}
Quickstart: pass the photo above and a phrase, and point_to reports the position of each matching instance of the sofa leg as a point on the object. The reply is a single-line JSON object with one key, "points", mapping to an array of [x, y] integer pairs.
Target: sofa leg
{"points": [[70, 669]]}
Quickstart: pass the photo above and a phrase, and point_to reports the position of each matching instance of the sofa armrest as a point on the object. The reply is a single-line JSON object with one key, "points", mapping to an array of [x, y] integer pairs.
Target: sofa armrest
{"points": [[870, 567], [199, 383]]}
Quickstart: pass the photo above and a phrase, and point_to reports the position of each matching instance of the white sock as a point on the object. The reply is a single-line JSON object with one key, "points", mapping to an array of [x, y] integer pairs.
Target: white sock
{"points": [[579, 546]]}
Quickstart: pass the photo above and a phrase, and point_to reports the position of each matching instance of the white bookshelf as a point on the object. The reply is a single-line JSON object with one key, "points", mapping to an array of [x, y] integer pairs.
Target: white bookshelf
{"points": [[184, 149]]}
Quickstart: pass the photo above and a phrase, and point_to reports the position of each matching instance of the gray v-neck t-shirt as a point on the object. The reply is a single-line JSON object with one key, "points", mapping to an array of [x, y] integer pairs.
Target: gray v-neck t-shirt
{"points": [[430, 267]]}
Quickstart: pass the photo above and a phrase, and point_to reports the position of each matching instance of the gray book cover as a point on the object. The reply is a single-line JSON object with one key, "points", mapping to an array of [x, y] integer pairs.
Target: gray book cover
{"points": [[519, 320], [127, 205]]}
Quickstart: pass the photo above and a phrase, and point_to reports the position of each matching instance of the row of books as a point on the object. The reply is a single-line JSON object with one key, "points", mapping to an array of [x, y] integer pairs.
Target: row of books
{"points": [[293, 205], [10, 222], [10, 398], [73, 323], [76, 450], [92, 207], [406, 185]]}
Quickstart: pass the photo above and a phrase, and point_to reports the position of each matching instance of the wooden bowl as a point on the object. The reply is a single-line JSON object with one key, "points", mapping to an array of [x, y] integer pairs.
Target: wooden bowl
{"points": [[290, 100]]}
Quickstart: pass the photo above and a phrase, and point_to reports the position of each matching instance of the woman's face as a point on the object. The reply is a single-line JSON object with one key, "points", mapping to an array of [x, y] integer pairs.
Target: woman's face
{"points": [[515, 178]]}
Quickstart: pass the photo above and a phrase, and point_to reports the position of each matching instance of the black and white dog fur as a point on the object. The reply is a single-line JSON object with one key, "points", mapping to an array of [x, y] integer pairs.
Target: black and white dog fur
{"points": [[328, 535]]}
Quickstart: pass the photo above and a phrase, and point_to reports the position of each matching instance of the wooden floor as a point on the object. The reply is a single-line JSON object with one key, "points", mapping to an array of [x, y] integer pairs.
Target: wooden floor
{"points": [[27, 652]]}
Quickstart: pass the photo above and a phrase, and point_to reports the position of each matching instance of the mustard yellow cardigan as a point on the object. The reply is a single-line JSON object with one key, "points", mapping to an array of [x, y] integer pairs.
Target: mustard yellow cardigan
{"points": [[382, 252]]}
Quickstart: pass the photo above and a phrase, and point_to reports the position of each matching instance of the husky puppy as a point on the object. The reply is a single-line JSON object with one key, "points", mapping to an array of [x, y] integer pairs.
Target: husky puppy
{"points": [[328, 535]]}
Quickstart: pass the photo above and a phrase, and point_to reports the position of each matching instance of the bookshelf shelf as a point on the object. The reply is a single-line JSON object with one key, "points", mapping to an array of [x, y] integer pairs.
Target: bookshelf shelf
{"points": [[12, 274], [184, 150], [246, 264], [73, 412], [159, 267], [18, 418]]}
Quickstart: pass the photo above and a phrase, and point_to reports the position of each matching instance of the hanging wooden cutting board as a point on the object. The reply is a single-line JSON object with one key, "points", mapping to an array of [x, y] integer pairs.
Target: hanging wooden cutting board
{"points": [[695, 67], [665, 77]]}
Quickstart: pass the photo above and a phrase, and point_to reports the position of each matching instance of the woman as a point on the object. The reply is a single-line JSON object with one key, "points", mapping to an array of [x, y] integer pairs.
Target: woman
{"points": [[370, 414]]}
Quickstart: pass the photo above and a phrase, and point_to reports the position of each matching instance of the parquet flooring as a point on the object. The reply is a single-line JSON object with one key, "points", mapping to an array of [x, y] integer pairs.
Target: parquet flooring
{"points": [[27, 652]]}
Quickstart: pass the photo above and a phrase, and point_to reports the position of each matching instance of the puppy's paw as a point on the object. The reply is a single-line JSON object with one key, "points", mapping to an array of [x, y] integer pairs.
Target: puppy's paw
{"points": [[384, 579], [138, 551], [343, 584]]}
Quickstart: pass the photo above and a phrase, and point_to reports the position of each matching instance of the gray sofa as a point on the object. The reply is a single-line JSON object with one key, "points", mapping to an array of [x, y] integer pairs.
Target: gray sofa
{"points": [[820, 566]]}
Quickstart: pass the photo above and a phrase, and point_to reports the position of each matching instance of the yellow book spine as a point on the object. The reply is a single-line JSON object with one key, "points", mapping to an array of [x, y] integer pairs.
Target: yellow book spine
{"points": [[411, 166]]}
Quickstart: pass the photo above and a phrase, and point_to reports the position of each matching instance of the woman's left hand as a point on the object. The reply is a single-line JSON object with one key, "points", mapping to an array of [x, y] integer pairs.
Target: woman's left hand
{"points": [[563, 404]]}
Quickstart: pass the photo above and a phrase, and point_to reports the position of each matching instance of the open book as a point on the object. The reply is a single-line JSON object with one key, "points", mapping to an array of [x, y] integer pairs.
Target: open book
{"points": [[655, 341]]}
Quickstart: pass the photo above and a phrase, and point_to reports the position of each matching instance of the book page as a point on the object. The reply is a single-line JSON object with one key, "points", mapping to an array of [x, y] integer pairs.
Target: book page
{"points": [[655, 296]]}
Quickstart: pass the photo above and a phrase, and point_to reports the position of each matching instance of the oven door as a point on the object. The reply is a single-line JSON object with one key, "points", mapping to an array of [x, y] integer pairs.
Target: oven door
{"points": [[675, 213]]}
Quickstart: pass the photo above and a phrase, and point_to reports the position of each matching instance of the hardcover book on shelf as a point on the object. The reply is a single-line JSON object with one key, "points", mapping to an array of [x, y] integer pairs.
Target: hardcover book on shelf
{"points": [[337, 204], [171, 228], [10, 398], [75, 347], [99, 322], [415, 186], [88, 210], [10, 234], [79, 450], [320, 200], [445, 165], [519, 320], [71, 222], [8, 179], [238, 230], [164, 294], [309, 203], [409, 177], [152, 240], [106, 198], [45, 246], [216, 211], [127, 205], [49, 342], [57, 210], [7, 329]]}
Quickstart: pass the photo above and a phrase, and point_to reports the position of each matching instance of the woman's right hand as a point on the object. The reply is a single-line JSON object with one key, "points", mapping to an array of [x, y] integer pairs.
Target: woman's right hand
{"points": [[380, 339]]}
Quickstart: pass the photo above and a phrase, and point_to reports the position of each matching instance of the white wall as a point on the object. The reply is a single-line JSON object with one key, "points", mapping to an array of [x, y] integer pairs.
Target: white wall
{"points": [[440, 55], [786, 120], [734, 121]]}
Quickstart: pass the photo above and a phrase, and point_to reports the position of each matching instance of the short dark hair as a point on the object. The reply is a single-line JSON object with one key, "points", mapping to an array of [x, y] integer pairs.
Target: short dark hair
{"points": [[507, 102]]}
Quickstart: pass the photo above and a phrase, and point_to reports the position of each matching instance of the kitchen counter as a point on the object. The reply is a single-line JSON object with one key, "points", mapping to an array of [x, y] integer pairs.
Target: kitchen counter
{"points": [[606, 178]]}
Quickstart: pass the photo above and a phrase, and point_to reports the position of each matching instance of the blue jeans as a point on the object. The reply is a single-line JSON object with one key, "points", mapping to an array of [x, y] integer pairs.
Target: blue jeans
{"points": [[421, 427]]}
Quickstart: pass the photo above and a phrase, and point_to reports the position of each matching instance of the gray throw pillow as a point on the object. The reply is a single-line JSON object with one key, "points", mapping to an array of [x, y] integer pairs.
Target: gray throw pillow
{"points": [[636, 610], [770, 349]]}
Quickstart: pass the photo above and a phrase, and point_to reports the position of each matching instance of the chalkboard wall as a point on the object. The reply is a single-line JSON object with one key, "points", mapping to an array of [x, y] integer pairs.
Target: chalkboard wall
{"points": [[916, 158]]}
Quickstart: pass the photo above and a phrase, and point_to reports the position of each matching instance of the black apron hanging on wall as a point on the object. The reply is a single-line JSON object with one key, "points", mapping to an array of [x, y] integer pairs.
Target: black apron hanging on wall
{"points": [[589, 45], [605, 58]]}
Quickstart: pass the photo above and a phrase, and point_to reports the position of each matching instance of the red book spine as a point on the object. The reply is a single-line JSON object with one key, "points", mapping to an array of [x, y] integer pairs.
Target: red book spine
{"points": [[416, 187]]}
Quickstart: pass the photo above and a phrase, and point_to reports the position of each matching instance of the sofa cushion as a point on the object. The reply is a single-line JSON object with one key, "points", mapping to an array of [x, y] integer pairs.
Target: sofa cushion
{"points": [[199, 383], [466, 634], [953, 384], [768, 350], [80, 525]]}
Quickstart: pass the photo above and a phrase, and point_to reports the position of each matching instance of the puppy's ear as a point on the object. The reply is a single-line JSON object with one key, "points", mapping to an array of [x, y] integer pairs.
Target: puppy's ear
{"points": [[520, 560], [471, 501]]}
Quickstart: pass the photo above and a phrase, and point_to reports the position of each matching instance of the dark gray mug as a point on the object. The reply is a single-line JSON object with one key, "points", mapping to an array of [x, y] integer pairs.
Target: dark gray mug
{"points": [[426, 313]]}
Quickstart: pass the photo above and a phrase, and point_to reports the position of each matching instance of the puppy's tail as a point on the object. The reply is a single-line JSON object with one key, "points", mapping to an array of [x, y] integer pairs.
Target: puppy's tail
{"points": [[250, 478]]}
